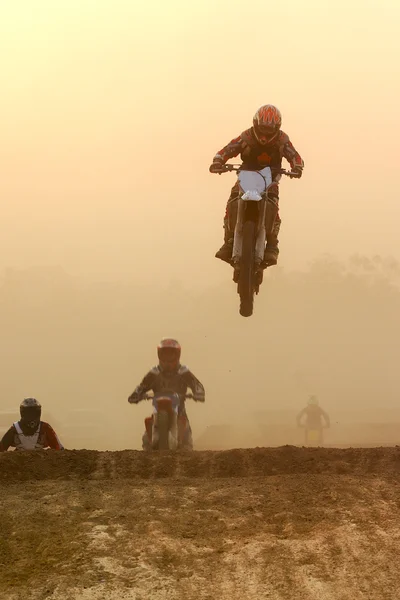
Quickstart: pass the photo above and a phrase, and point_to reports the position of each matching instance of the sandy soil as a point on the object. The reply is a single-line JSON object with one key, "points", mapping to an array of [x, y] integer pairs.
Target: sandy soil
{"points": [[281, 524]]}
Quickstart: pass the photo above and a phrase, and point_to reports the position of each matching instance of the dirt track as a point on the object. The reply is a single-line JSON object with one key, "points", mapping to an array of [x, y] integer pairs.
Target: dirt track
{"points": [[282, 524]]}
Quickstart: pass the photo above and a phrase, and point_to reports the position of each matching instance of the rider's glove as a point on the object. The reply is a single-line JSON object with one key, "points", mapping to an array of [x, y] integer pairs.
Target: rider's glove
{"points": [[198, 397], [135, 397], [217, 165], [297, 171]]}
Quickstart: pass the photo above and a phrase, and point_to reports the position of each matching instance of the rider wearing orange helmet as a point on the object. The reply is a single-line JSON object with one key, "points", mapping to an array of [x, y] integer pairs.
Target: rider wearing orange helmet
{"points": [[263, 145]]}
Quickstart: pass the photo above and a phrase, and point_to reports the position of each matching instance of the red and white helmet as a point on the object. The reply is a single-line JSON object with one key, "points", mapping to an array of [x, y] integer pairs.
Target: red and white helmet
{"points": [[169, 354], [266, 123]]}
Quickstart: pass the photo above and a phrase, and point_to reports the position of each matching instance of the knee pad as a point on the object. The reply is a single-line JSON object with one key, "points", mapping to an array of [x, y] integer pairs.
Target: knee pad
{"points": [[273, 192]]}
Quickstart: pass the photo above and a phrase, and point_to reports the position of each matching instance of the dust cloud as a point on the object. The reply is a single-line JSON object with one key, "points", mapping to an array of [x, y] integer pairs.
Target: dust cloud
{"points": [[81, 347], [112, 112]]}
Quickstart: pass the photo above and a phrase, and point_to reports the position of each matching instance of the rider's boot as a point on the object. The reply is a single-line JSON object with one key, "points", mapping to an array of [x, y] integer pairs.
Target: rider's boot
{"points": [[187, 442], [225, 252], [146, 443], [271, 252], [147, 436]]}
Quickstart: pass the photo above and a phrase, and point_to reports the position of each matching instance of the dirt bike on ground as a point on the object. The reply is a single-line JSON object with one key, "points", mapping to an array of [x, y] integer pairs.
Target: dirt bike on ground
{"points": [[166, 428], [255, 218], [314, 436]]}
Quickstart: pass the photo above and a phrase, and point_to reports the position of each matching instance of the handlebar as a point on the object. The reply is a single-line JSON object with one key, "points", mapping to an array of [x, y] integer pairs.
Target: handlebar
{"points": [[305, 426], [150, 396], [228, 167]]}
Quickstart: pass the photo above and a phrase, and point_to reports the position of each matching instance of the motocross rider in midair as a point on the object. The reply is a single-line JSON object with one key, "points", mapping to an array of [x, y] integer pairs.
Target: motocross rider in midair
{"points": [[167, 377], [263, 145]]}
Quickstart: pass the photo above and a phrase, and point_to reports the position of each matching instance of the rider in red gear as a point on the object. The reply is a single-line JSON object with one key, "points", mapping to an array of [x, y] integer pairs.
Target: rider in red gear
{"points": [[263, 145], [167, 377], [30, 433]]}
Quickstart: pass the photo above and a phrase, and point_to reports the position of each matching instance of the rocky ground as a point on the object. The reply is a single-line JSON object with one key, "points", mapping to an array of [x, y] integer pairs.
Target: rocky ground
{"points": [[282, 523]]}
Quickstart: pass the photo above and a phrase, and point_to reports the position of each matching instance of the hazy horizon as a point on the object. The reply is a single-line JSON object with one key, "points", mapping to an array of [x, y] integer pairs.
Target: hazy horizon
{"points": [[112, 111], [331, 330]]}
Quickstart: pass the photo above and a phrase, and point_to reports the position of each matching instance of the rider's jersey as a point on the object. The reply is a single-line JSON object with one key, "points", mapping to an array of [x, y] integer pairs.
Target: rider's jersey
{"points": [[177, 381], [43, 437], [257, 156], [314, 416]]}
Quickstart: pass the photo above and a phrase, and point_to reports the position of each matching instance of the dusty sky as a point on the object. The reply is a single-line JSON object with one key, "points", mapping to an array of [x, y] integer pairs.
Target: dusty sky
{"points": [[333, 331], [112, 110], [111, 113]]}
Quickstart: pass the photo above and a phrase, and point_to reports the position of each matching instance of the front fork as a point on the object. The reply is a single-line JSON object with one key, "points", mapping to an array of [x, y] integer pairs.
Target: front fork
{"points": [[173, 430]]}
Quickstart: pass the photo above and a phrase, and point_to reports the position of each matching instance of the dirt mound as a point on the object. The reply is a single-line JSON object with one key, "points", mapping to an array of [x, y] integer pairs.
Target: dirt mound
{"points": [[281, 524], [130, 464]]}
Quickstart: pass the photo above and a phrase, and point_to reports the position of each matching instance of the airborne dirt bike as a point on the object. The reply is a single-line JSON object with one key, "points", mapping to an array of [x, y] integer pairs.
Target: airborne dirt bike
{"points": [[255, 219], [166, 428]]}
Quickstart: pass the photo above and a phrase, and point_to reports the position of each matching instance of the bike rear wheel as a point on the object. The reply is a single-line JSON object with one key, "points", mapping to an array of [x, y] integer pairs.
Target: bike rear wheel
{"points": [[246, 277]]}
